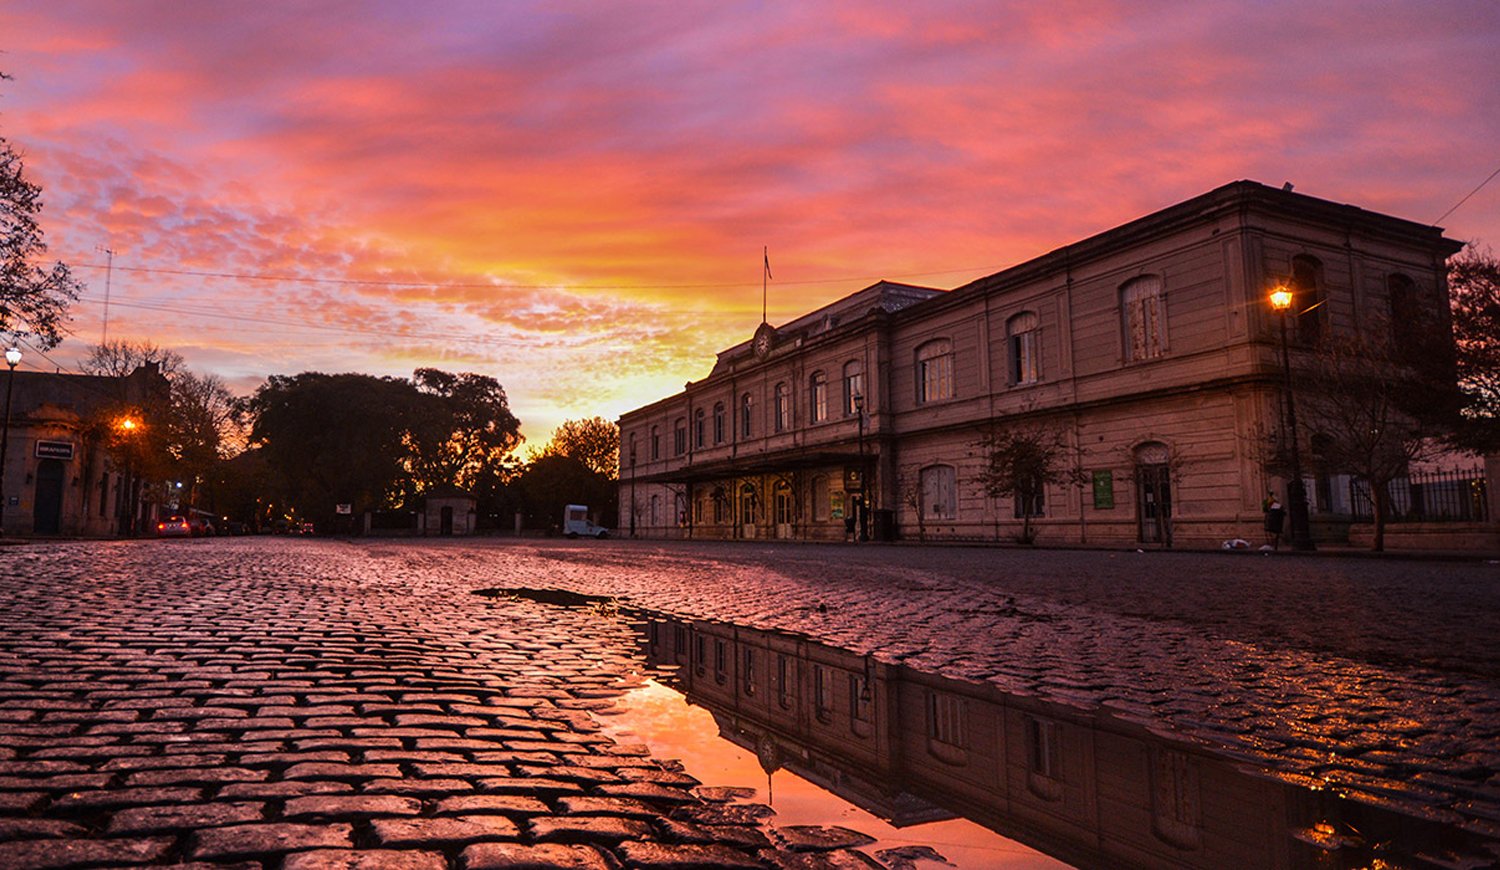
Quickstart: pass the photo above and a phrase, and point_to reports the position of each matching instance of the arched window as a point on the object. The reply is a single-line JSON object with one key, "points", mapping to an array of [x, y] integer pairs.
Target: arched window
{"points": [[1022, 363], [655, 442], [817, 389], [1405, 312], [747, 409], [935, 371], [679, 436], [720, 431], [655, 510], [854, 385], [783, 408], [1143, 306], [939, 492], [748, 504], [1308, 298], [698, 429]]}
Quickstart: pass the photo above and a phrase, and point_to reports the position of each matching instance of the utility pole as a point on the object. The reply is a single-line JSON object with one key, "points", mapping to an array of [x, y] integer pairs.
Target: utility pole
{"points": [[109, 274]]}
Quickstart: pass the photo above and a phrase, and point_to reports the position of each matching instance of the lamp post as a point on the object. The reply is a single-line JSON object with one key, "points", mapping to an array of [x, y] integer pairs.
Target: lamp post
{"points": [[12, 359], [862, 508], [127, 427], [1296, 491]]}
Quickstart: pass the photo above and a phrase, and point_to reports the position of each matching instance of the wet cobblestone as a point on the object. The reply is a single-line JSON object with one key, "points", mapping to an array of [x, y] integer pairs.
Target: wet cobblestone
{"points": [[307, 704]]}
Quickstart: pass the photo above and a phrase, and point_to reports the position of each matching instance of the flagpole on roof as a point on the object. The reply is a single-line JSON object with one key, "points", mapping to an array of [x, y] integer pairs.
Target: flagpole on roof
{"points": [[765, 274]]}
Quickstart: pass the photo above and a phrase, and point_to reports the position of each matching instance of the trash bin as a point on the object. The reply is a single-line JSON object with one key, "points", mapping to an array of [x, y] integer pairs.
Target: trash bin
{"points": [[885, 525]]}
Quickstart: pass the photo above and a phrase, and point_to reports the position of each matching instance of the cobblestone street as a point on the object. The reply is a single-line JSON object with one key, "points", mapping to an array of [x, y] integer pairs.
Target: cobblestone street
{"points": [[291, 703]]}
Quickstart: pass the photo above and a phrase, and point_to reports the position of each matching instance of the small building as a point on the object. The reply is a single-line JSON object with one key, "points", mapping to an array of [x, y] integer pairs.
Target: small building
{"points": [[1150, 351], [68, 466], [449, 511]]}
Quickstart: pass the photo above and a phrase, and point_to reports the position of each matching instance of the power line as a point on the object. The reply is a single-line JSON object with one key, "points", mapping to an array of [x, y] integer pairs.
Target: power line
{"points": [[500, 285], [1466, 197]]}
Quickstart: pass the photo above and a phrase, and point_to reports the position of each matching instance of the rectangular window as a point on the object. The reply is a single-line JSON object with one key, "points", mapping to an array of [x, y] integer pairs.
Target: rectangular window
{"points": [[1023, 362], [1031, 499], [945, 719], [679, 438], [939, 492], [786, 681], [721, 661], [1042, 751], [698, 428], [718, 424], [783, 408], [861, 698], [822, 693], [819, 399], [700, 654], [748, 675], [854, 391], [935, 371]]}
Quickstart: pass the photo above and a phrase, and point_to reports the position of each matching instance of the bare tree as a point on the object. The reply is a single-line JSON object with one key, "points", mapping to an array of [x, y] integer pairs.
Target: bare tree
{"points": [[1021, 460], [121, 357], [1474, 297], [1359, 418]]}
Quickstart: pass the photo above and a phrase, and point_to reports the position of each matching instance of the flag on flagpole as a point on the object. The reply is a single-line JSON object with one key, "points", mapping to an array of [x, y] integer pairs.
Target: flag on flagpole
{"points": [[767, 252]]}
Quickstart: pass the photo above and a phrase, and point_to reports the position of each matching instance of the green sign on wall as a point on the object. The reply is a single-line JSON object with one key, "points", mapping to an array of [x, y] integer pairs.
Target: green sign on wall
{"points": [[1104, 489]]}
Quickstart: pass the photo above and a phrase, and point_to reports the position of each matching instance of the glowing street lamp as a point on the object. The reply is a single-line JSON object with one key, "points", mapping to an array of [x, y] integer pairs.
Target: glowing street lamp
{"points": [[12, 359], [1296, 492], [128, 426]]}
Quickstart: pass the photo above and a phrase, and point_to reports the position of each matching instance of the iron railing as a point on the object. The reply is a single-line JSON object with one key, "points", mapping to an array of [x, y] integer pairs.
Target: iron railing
{"points": [[1431, 496]]}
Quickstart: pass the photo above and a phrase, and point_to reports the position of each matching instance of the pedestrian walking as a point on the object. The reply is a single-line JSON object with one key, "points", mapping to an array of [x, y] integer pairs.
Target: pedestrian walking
{"points": [[1275, 519]]}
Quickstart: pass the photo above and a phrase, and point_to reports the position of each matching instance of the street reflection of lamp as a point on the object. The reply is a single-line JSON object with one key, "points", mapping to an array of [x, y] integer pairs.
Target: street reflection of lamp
{"points": [[12, 359], [861, 508], [1296, 491]]}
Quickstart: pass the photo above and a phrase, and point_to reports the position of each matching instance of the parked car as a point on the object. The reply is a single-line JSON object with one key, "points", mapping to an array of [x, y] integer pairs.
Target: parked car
{"points": [[174, 527], [202, 528]]}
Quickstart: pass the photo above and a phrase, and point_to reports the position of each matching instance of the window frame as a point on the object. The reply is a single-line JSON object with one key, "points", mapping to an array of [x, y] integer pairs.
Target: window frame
{"points": [[1143, 318], [934, 371], [1023, 362]]}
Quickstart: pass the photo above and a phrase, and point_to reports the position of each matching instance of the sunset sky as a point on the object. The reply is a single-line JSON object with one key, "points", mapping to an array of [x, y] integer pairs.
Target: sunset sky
{"points": [[574, 197]]}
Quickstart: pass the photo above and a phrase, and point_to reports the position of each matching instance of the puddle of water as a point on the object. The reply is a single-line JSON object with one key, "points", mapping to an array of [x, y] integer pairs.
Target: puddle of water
{"points": [[664, 720], [899, 754]]}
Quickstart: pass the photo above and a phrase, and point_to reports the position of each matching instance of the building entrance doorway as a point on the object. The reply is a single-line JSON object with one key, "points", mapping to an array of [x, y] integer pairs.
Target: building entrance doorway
{"points": [[445, 521], [784, 509], [1153, 488], [46, 514], [748, 519]]}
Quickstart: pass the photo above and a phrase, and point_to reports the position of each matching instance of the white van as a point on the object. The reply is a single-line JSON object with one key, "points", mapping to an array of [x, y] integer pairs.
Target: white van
{"points": [[576, 522]]}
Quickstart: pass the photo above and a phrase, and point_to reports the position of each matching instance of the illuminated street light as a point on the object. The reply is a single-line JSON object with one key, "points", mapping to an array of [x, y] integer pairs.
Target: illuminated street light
{"points": [[12, 359], [1296, 491], [128, 426]]}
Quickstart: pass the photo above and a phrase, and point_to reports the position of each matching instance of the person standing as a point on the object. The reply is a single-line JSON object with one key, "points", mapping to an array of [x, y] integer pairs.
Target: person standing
{"points": [[1275, 519]]}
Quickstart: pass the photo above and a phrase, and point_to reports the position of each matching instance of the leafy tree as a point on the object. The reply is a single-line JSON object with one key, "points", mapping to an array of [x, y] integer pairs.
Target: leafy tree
{"points": [[1020, 461], [550, 482], [380, 442], [33, 297], [337, 438], [467, 434], [1474, 296], [594, 441]]}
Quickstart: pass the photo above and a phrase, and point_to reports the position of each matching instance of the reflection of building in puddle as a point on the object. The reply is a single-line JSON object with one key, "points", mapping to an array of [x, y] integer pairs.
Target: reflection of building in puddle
{"points": [[1085, 786]]}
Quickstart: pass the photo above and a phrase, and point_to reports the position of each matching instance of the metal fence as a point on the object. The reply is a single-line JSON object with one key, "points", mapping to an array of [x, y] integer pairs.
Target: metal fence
{"points": [[1435, 496]]}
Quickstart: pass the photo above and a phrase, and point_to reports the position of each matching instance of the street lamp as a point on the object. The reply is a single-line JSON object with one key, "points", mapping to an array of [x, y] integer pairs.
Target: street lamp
{"points": [[862, 508], [1296, 492], [127, 427], [12, 359]]}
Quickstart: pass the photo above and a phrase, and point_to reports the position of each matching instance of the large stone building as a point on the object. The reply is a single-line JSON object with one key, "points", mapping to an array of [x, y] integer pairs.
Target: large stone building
{"points": [[66, 469], [1150, 350]]}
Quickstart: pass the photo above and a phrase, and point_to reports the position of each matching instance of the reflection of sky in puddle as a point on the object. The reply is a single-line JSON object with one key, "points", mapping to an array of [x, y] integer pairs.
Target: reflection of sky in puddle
{"points": [[662, 718]]}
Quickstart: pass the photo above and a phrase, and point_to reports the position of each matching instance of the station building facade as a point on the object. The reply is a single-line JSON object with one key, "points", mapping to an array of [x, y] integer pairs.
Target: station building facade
{"points": [[1150, 350]]}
